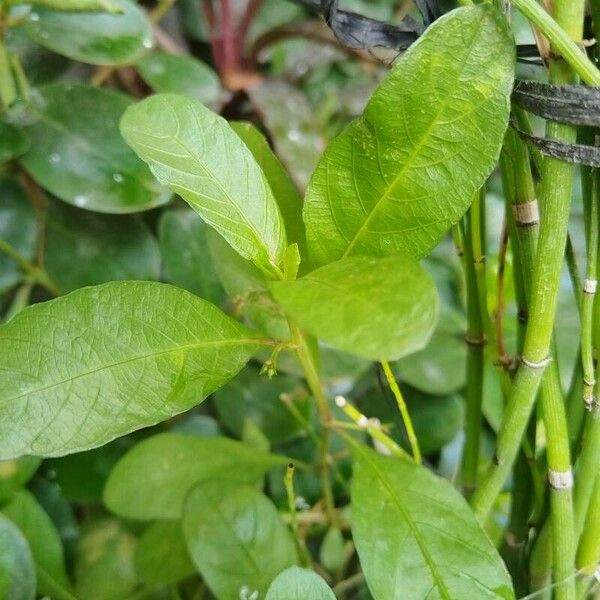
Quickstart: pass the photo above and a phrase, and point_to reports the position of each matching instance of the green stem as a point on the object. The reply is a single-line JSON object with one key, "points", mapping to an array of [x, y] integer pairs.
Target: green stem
{"points": [[408, 424], [8, 88], [588, 552], [288, 481]]}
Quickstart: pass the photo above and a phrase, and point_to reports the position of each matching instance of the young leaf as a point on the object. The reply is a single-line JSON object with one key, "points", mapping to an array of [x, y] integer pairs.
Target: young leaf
{"points": [[85, 248], [96, 38], [284, 190], [103, 361], [195, 152], [14, 474], [397, 178], [161, 556], [379, 308], [17, 573], [417, 537], [79, 156], [180, 74], [152, 480], [26, 513], [299, 584], [235, 537]]}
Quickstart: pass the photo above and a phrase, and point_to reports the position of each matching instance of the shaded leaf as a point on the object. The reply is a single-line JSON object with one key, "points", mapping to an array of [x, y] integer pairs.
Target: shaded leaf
{"points": [[103, 361], [332, 553], [397, 178], [235, 537], [375, 308], [195, 152], [44, 541], [84, 248], [417, 537], [13, 142], [298, 584], [153, 478], [17, 572], [14, 474], [94, 37]]}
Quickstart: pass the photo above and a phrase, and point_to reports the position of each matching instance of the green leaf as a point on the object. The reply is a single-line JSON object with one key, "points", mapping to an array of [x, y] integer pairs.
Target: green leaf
{"points": [[180, 74], [195, 152], [103, 361], [153, 478], [379, 308], [186, 256], [161, 556], [85, 248], [332, 554], [44, 541], [14, 474], [417, 537], [13, 142], [105, 569], [259, 399], [299, 584], [77, 152], [96, 38], [18, 227], [284, 190], [397, 178], [236, 538], [17, 573]]}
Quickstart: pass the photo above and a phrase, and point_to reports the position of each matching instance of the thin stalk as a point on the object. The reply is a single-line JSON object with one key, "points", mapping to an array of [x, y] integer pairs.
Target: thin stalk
{"points": [[408, 424], [588, 552], [288, 481], [8, 88]]}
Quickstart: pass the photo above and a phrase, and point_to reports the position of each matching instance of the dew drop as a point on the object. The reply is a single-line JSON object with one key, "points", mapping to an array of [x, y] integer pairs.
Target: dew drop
{"points": [[55, 158], [294, 135], [34, 16], [118, 177], [80, 200], [147, 43]]}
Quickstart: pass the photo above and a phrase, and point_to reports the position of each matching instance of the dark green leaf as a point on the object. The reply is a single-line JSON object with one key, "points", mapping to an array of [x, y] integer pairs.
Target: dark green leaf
{"points": [[180, 74], [161, 556], [398, 177], [103, 361], [17, 572], [77, 152], [94, 37], [153, 478], [236, 538], [299, 584], [417, 537], [261, 400], [13, 142], [186, 256], [44, 541], [18, 227], [195, 152], [84, 248], [14, 474], [377, 308]]}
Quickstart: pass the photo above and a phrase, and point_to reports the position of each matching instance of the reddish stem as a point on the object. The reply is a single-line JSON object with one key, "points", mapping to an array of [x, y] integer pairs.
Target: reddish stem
{"points": [[245, 24], [230, 56], [215, 42]]}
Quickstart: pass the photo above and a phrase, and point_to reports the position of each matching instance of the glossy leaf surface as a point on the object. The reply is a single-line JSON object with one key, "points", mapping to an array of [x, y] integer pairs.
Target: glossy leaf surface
{"points": [[417, 537], [236, 538], [195, 152], [152, 480], [78, 154], [103, 361], [397, 178], [378, 308]]}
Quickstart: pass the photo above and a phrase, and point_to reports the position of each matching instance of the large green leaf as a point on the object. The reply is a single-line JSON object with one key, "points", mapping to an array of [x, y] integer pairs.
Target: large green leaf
{"points": [[236, 538], [18, 227], [398, 177], [26, 513], [284, 190], [17, 573], [83, 369], [77, 152], [299, 584], [184, 249], [85, 248], [417, 537], [161, 556], [379, 308], [93, 37], [180, 74], [153, 478], [196, 153]]}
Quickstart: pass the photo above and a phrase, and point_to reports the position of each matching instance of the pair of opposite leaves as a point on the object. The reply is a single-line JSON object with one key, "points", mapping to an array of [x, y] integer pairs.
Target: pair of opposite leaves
{"points": [[101, 362]]}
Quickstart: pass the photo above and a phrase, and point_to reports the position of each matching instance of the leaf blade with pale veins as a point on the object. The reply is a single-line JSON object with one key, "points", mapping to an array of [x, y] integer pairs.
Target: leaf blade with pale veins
{"points": [[103, 361], [398, 177], [196, 153]]}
